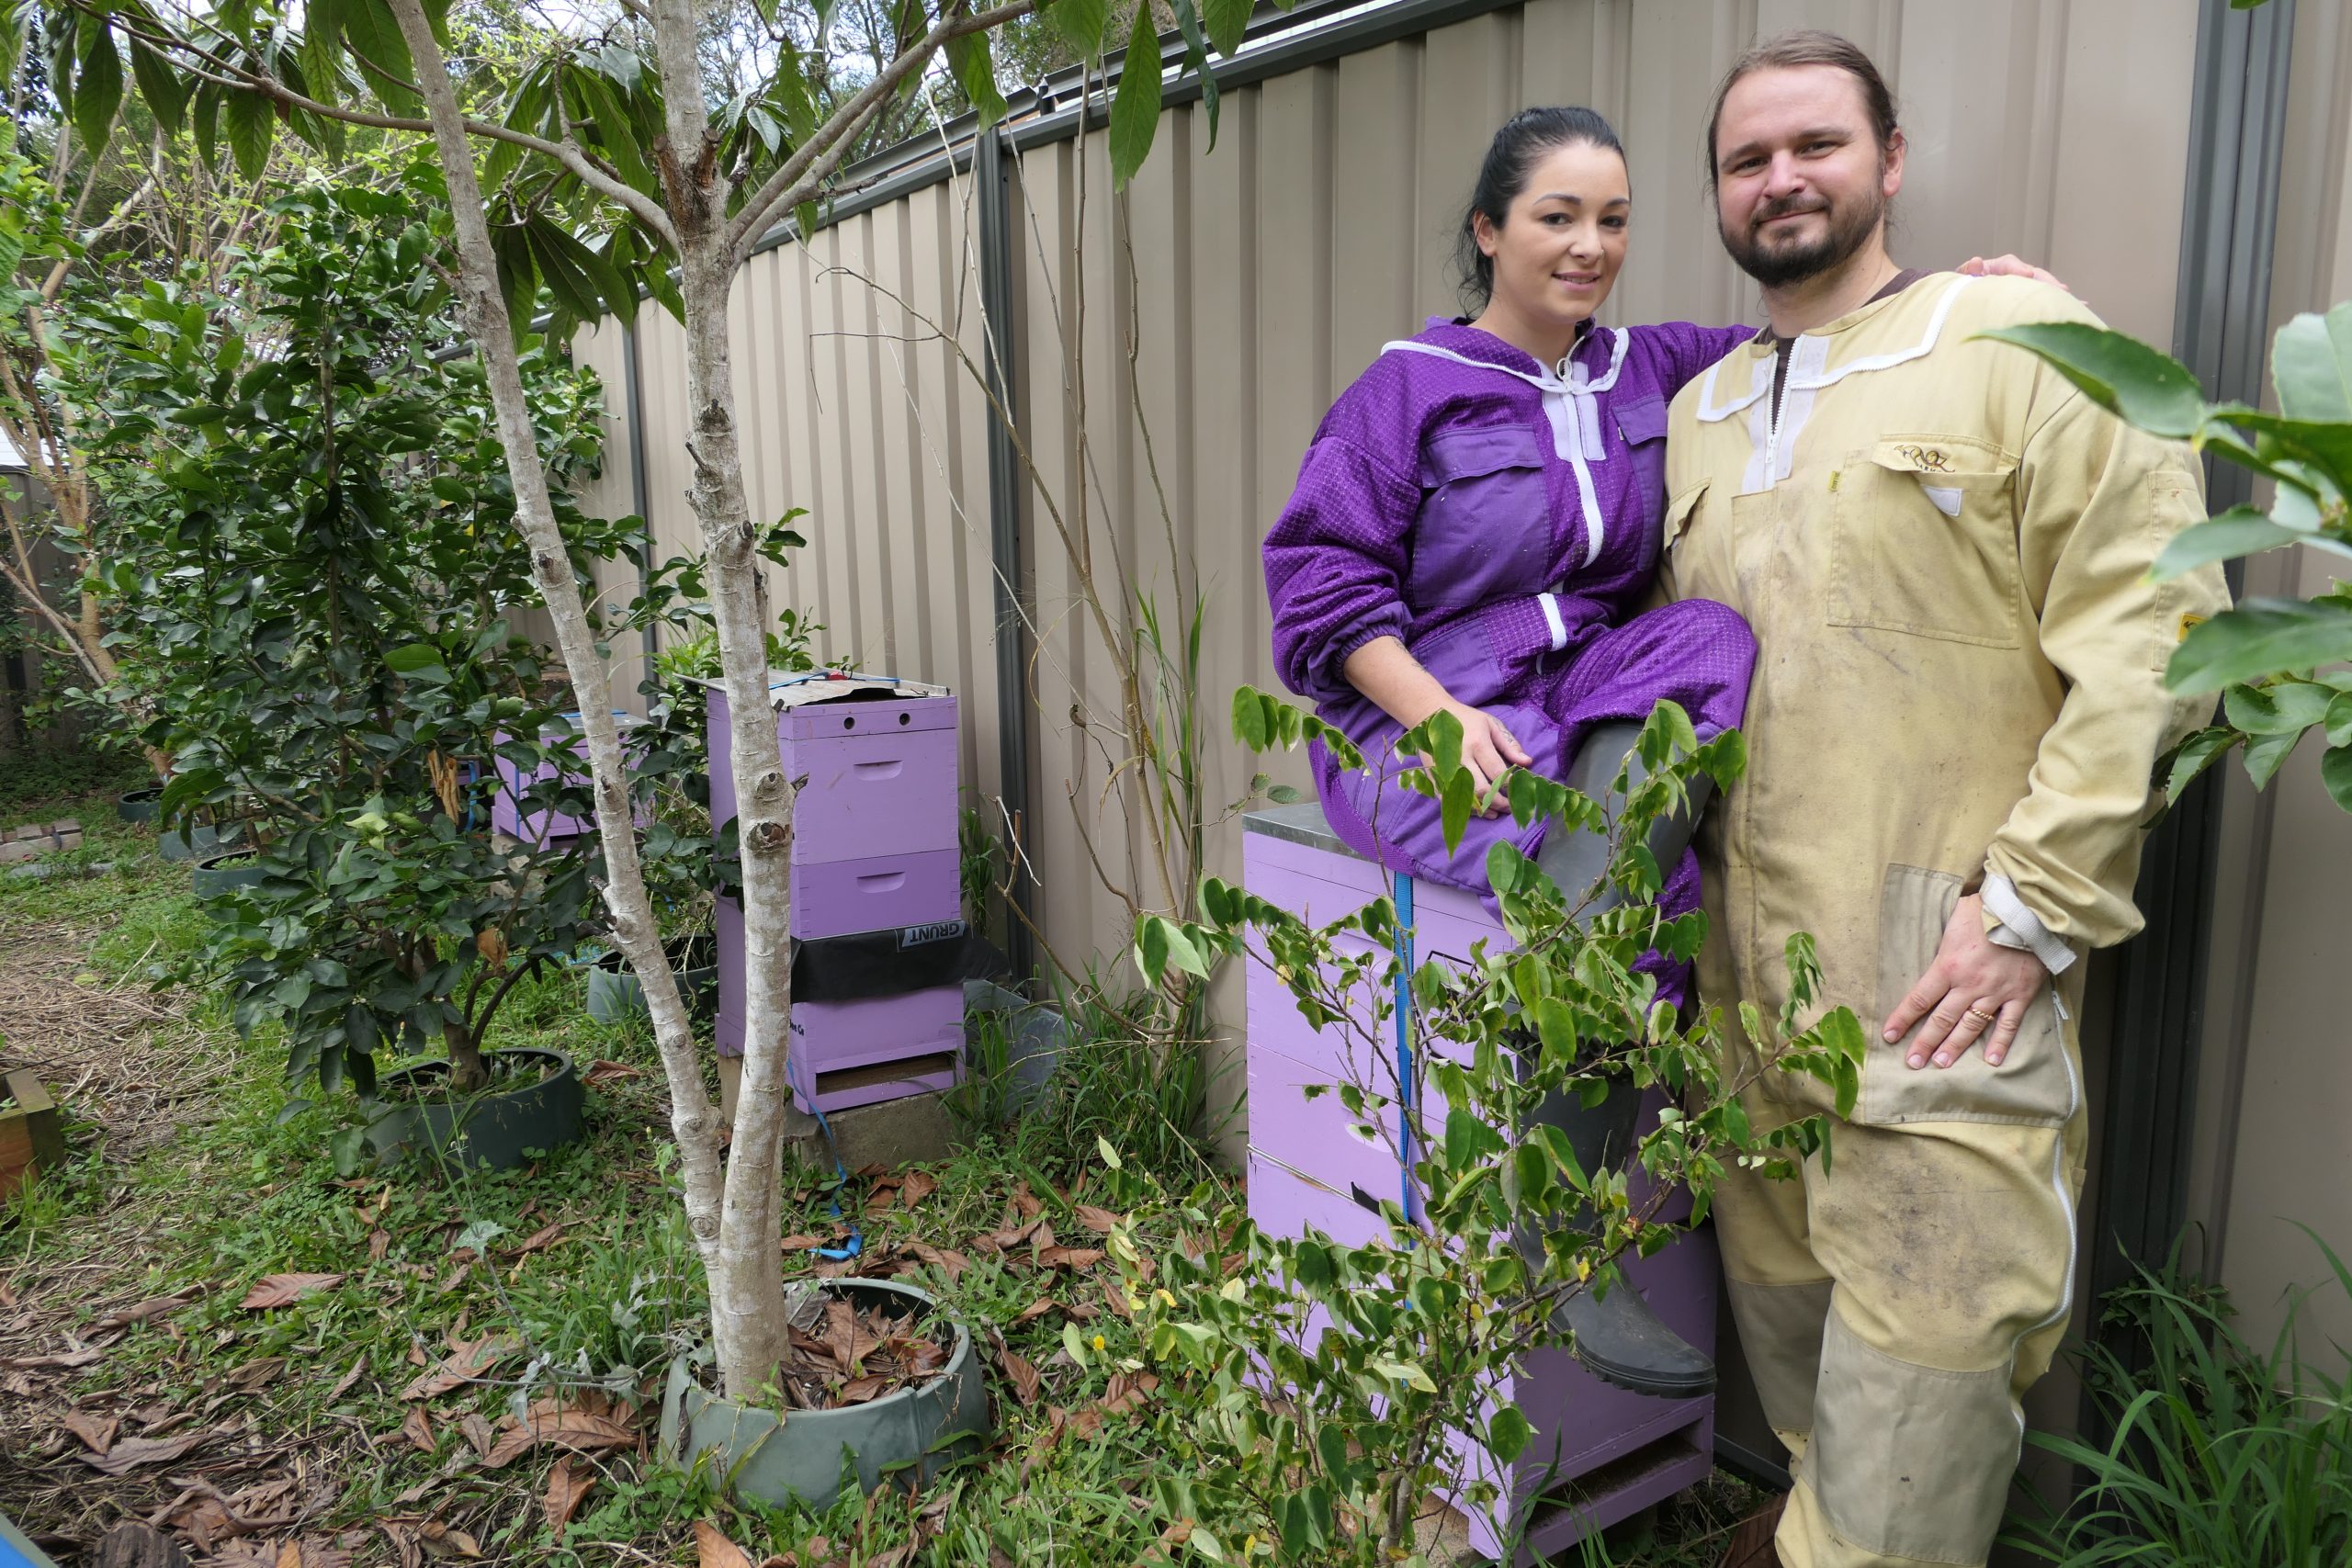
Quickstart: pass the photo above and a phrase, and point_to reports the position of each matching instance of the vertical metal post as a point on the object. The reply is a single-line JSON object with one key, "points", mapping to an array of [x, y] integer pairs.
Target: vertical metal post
{"points": [[2237, 131], [633, 402], [992, 188]]}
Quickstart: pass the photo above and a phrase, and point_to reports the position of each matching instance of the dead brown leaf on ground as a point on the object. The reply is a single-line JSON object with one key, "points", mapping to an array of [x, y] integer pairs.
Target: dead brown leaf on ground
{"points": [[343, 1383], [566, 1487], [96, 1432], [466, 1361], [417, 1427], [1070, 1257], [1022, 1375], [131, 1453], [1126, 1392], [917, 1186], [144, 1311], [713, 1549], [254, 1376], [56, 1360], [586, 1425], [540, 1240], [599, 1073], [284, 1290], [1100, 1221]]}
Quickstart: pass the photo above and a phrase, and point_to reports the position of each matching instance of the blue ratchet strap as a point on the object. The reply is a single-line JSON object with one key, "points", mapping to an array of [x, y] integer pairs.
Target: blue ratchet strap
{"points": [[797, 1065], [1402, 886]]}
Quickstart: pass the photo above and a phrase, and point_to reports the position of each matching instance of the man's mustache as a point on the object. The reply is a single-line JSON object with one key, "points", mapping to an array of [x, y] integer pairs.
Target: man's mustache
{"points": [[1785, 206]]}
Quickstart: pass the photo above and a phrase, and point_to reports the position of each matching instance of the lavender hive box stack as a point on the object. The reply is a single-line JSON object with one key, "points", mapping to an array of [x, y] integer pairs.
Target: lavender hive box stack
{"points": [[874, 849], [506, 813], [1599, 1453]]}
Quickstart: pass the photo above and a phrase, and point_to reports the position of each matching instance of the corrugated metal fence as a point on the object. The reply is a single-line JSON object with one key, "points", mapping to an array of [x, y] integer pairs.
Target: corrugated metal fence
{"points": [[1200, 322]]}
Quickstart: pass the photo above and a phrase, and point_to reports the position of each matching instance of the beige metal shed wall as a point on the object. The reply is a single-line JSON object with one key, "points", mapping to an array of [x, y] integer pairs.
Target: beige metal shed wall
{"points": [[2276, 1076]]}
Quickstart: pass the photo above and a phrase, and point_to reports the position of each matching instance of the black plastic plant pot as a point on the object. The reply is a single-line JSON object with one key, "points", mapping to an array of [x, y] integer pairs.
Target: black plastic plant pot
{"points": [[215, 876], [200, 840], [140, 805], [613, 993], [533, 1105], [909, 1436]]}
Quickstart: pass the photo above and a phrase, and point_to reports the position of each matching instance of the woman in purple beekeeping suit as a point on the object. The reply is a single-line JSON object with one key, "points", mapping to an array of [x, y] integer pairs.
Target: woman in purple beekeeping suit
{"points": [[1473, 528], [1479, 516]]}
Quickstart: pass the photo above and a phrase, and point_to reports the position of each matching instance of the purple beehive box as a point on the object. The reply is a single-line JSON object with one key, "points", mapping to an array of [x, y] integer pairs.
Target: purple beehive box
{"points": [[1599, 1453], [874, 848], [540, 828]]}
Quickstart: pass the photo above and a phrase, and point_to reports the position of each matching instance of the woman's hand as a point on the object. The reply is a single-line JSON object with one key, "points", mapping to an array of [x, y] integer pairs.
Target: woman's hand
{"points": [[1489, 750], [2009, 266]]}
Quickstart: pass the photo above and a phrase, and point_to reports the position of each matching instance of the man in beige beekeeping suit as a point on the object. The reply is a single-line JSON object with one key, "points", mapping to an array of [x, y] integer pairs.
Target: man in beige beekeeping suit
{"points": [[1943, 549]]}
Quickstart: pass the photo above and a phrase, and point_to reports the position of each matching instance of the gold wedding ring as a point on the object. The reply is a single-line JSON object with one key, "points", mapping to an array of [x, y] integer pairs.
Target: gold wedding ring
{"points": [[1980, 1015]]}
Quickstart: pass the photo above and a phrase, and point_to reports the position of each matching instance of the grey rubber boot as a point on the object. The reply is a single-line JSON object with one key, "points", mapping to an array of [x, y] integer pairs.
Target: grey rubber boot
{"points": [[1620, 1339]]}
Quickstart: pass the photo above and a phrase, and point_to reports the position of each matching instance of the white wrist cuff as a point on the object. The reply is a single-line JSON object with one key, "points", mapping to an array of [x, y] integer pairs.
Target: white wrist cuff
{"points": [[2021, 927], [1558, 629]]}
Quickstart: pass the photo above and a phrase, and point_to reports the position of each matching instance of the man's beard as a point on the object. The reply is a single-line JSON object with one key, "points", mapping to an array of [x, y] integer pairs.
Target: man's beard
{"points": [[1777, 265]]}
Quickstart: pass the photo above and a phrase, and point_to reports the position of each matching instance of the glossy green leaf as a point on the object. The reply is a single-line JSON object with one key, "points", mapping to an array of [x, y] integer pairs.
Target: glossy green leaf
{"points": [[2336, 772], [2265, 755], [974, 68], [251, 125], [98, 86], [2200, 751], [2311, 364], [1227, 21], [1083, 22], [2240, 531], [2289, 707], [162, 90], [1196, 60], [2122, 375], [1509, 1434], [1134, 108], [2260, 638], [373, 36]]}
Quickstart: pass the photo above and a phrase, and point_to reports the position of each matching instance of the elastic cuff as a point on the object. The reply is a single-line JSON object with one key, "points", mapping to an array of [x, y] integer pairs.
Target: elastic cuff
{"points": [[2021, 927]]}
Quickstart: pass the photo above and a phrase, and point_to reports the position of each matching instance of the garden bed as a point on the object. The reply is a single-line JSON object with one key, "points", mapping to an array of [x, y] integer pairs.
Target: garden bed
{"points": [[411, 1370]]}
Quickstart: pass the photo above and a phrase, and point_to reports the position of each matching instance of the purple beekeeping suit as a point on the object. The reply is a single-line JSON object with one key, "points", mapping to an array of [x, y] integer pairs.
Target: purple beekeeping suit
{"points": [[1501, 518]]}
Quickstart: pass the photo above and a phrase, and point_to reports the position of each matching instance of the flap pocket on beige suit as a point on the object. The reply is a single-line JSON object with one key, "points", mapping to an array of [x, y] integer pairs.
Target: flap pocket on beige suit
{"points": [[1924, 541], [2038, 1084]]}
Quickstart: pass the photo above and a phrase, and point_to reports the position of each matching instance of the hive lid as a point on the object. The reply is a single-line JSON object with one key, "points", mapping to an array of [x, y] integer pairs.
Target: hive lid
{"points": [[805, 688]]}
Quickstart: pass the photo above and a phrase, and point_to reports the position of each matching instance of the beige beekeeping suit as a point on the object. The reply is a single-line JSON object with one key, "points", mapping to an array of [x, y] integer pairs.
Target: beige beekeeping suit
{"points": [[1943, 549]]}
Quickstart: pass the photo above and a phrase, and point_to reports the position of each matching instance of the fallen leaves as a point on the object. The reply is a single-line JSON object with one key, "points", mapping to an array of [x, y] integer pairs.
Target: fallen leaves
{"points": [[713, 1549], [417, 1427], [599, 1073], [1102, 1222], [96, 1432], [144, 1311], [538, 1240], [131, 1453], [284, 1290], [586, 1425], [566, 1487], [1024, 1376], [466, 1361], [56, 1360]]}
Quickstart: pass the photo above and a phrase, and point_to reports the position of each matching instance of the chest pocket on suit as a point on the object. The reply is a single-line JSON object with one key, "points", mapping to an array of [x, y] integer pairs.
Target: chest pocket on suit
{"points": [[1484, 529], [1924, 541], [1643, 425]]}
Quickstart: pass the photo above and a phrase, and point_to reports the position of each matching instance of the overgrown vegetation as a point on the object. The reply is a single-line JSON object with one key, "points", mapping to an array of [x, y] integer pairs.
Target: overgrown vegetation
{"points": [[124, 1279], [2222, 1455]]}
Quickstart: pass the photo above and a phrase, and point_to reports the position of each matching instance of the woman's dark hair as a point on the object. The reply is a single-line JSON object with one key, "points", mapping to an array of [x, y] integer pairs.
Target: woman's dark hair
{"points": [[1511, 158], [1811, 47]]}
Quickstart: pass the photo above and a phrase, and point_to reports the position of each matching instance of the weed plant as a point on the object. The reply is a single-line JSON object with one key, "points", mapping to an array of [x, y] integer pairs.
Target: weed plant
{"points": [[2222, 1456]]}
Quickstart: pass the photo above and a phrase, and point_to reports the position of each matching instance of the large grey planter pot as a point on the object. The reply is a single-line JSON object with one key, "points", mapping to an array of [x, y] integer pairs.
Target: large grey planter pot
{"points": [[198, 841], [499, 1128], [215, 876], [797, 1459], [1037, 1034], [615, 993], [140, 805]]}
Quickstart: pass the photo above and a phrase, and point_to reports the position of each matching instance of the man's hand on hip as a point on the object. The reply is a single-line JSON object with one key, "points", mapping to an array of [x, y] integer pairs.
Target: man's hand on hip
{"points": [[1975, 989]]}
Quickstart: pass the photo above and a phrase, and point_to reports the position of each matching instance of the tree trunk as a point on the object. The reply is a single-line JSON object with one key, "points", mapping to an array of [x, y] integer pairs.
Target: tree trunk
{"points": [[746, 1282], [633, 925], [469, 1073]]}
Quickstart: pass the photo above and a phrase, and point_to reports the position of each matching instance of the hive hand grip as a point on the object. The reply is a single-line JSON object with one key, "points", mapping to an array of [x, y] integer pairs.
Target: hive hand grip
{"points": [[882, 881], [873, 771]]}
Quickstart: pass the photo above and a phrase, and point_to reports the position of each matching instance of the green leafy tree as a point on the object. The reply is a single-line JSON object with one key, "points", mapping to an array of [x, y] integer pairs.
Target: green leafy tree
{"points": [[610, 169], [1382, 1352], [316, 571], [2278, 664]]}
